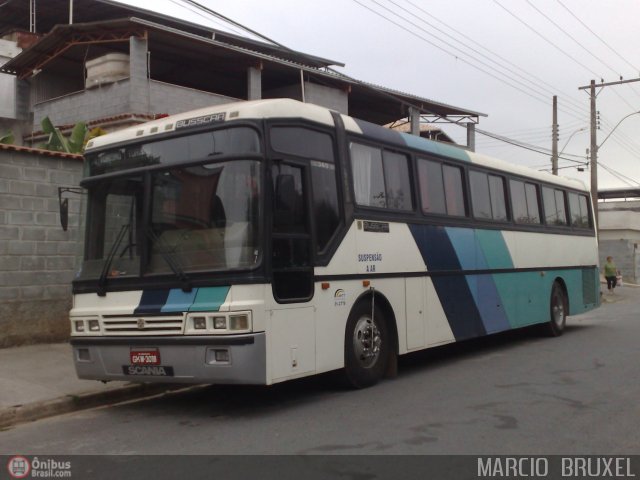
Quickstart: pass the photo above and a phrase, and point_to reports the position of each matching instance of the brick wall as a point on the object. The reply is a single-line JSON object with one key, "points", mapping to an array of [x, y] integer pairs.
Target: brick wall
{"points": [[37, 258]]}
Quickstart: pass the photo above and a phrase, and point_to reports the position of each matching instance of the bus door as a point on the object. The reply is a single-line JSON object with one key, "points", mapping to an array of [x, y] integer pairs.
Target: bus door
{"points": [[291, 239], [292, 318]]}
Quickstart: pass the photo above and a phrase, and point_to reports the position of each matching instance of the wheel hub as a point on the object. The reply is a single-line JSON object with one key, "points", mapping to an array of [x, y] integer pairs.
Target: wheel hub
{"points": [[366, 342]]}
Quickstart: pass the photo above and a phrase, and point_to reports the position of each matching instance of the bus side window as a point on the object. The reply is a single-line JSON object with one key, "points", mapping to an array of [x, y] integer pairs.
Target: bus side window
{"points": [[380, 178], [524, 200], [325, 202], [488, 196], [554, 207], [579, 210]]}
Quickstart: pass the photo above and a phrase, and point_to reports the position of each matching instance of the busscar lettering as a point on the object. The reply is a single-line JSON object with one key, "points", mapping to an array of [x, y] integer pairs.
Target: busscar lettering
{"points": [[203, 120]]}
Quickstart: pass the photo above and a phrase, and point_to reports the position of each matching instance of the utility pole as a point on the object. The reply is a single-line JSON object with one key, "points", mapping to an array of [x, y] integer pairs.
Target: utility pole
{"points": [[554, 137], [594, 144], [594, 151]]}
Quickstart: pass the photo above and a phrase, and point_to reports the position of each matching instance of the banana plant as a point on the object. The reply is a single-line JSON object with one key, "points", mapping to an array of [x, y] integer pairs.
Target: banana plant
{"points": [[7, 138], [58, 142]]}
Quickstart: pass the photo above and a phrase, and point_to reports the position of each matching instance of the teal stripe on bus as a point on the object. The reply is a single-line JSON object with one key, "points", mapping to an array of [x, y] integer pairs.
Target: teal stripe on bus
{"points": [[209, 299], [438, 148]]}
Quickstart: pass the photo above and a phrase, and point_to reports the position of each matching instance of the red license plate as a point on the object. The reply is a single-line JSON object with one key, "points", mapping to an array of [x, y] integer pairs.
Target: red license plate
{"points": [[150, 356]]}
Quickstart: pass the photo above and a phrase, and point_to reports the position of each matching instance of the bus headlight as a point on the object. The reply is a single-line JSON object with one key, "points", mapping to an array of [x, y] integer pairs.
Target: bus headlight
{"points": [[94, 326], [199, 323], [79, 326], [220, 323], [239, 322]]}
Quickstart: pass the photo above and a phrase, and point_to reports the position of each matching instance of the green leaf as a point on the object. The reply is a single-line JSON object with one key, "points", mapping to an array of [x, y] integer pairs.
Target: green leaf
{"points": [[7, 138], [56, 141], [76, 140]]}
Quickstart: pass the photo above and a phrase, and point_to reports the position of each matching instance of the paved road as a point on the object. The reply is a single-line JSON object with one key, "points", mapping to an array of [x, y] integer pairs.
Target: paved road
{"points": [[515, 393]]}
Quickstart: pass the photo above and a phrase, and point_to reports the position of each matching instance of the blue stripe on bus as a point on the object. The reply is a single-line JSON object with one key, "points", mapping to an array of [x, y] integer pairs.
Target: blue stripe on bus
{"points": [[179, 301], [471, 254], [454, 292], [175, 300], [151, 301]]}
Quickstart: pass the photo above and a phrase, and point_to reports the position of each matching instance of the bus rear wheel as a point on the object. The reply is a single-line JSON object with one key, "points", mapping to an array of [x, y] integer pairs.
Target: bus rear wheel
{"points": [[558, 311], [366, 347]]}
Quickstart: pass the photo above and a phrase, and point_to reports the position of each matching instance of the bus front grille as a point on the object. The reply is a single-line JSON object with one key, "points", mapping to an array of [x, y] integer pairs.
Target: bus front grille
{"points": [[162, 325]]}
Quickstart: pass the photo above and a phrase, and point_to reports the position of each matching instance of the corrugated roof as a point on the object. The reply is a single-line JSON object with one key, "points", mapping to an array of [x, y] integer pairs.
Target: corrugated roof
{"points": [[14, 14]]}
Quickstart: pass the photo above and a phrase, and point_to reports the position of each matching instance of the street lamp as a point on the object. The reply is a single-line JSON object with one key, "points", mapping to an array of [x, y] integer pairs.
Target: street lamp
{"points": [[614, 128], [570, 137]]}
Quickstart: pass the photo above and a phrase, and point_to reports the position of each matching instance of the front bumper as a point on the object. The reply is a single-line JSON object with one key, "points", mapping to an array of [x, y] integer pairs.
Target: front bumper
{"points": [[184, 359]]}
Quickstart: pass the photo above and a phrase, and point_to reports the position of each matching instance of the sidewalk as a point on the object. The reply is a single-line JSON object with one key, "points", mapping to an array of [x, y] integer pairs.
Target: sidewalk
{"points": [[39, 381]]}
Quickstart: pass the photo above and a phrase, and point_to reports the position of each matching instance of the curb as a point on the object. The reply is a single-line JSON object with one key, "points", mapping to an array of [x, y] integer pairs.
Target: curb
{"points": [[15, 415]]}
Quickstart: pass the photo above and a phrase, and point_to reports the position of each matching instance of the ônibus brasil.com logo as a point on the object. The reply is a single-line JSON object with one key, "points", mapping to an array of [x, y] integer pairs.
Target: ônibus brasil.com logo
{"points": [[19, 467]]}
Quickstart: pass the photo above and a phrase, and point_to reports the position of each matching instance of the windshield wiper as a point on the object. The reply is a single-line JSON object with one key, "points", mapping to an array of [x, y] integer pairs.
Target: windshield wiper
{"points": [[102, 281], [171, 261]]}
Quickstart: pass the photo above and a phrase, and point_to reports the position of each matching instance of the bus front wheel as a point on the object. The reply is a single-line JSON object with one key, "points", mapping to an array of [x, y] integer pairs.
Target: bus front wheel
{"points": [[366, 347], [558, 311]]}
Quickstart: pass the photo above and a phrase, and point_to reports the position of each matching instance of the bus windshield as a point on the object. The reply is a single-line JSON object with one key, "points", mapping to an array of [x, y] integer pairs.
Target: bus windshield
{"points": [[194, 219]]}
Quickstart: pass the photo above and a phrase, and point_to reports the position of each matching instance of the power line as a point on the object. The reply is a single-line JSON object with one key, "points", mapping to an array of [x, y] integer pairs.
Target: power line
{"points": [[571, 37], [546, 39], [575, 106], [598, 37], [457, 57]]}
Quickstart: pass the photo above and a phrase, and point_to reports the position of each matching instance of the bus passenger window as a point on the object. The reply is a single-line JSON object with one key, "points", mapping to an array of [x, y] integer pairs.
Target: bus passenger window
{"points": [[488, 196], [579, 212], [524, 200], [380, 179], [454, 192], [554, 209], [368, 177], [431, 186]]}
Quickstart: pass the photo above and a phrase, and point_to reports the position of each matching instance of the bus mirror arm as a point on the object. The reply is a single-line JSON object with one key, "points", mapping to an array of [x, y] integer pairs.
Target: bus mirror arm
{"points": [[64, 204]]}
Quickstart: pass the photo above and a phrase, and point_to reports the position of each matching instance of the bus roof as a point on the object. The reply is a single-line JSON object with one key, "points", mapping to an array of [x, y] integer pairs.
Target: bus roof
{"points": [[289, 108]]}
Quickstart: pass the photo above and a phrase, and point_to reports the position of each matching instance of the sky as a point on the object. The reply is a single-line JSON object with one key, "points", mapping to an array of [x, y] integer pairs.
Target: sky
{"points": [[504, 58]]}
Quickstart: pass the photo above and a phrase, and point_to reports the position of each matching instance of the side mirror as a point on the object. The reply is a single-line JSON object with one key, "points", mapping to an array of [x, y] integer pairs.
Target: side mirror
{"points": [[64, 204], [64, 213]]}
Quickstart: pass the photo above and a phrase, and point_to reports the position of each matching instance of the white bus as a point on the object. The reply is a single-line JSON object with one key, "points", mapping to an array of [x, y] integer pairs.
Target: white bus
{"points": [[263, 241]]}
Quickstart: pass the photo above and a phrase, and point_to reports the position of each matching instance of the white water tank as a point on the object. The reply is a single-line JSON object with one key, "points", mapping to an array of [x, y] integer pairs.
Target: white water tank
{"points": [[108, 68]]}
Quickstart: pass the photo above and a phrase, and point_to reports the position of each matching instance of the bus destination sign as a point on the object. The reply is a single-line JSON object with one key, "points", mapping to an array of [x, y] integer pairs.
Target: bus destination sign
{"points": [[200, 121]]}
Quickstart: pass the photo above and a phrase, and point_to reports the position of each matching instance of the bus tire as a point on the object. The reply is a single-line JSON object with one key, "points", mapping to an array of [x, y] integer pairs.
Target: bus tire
{"points": [[557, 311], [366, 346]]}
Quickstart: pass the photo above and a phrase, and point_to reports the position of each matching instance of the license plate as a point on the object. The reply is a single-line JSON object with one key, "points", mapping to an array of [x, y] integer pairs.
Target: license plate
{"points": [[147, 370], [149, 356]]}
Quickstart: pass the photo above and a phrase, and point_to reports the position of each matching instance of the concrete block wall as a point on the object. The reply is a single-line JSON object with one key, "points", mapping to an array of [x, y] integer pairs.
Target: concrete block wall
{"points": [[171, 99], [37, 258], [625, 255], [101, 102]]}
